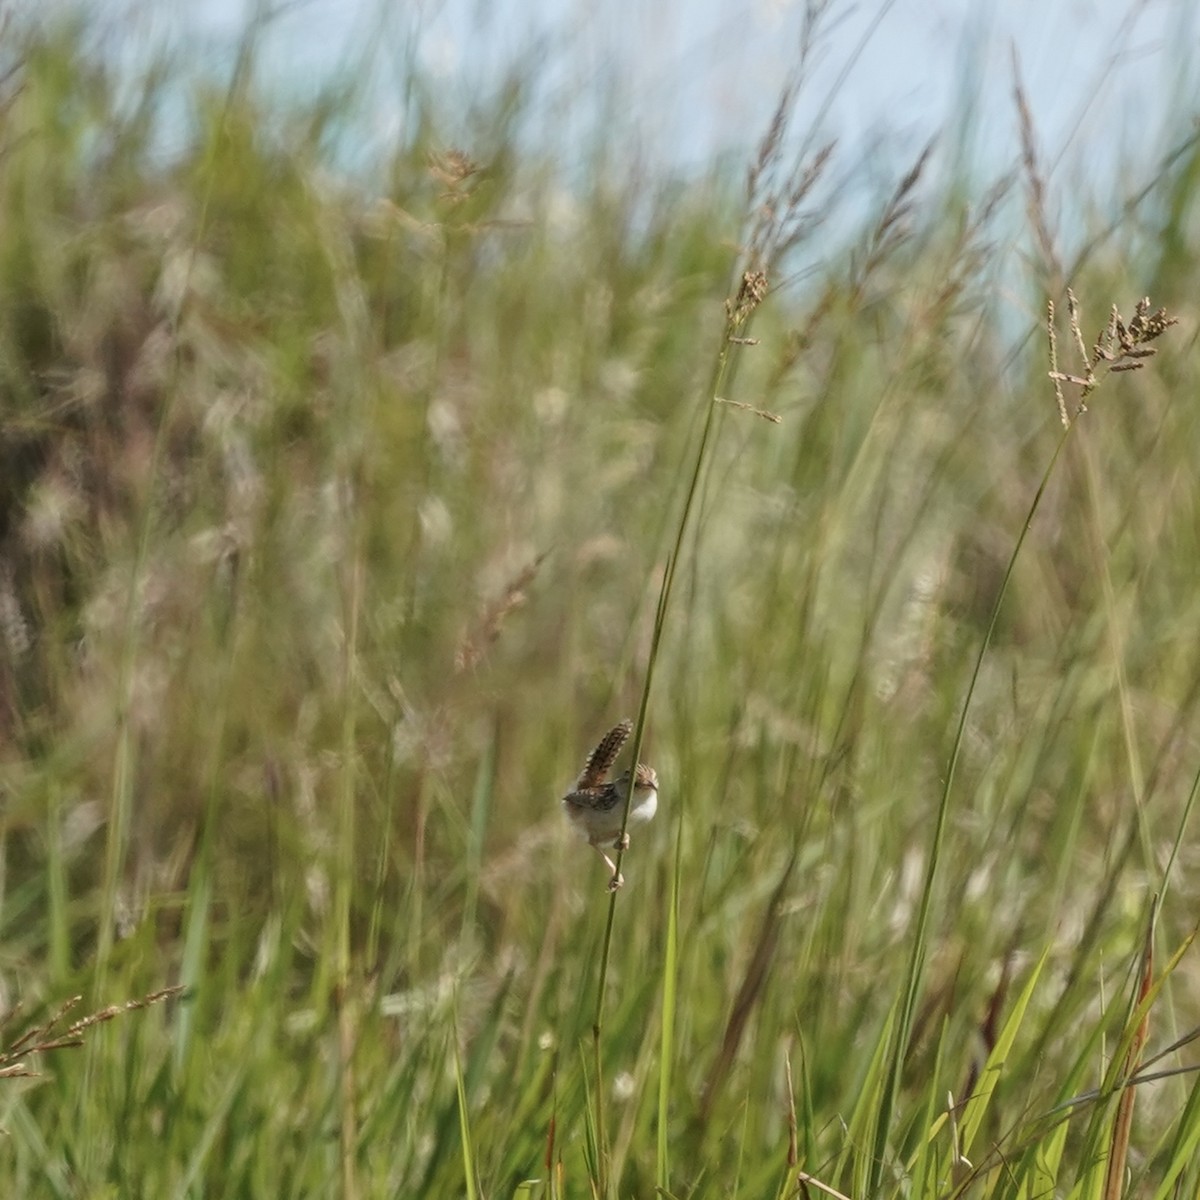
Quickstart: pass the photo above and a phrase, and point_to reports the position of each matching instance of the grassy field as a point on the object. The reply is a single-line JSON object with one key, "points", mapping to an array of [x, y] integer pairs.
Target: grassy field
{"points": [[339, 520]]}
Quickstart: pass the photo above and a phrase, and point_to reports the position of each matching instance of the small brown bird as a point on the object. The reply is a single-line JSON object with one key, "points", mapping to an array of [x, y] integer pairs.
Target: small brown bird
{"points": [[597, 807]]}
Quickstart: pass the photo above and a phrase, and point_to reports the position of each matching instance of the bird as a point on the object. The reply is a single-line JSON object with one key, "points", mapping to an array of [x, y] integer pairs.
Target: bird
{"points": [[596, 806]]}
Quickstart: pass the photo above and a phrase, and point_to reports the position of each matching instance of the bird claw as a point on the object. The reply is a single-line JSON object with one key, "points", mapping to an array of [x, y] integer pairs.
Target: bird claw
{"points": [[615, 882], [622, 843]]}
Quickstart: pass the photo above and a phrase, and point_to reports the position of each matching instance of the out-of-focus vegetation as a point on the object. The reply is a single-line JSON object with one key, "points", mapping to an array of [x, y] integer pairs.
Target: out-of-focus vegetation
{"points": [[332, 519]]}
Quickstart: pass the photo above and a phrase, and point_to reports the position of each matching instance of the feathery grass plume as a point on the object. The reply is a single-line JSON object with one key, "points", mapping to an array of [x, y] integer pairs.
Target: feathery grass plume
{"points": [[1035, 181], [777, 185], [1118, 347], [476, 641], [53, 1034], [891, 229], [774, 418], [454, 170], [884, 238]]}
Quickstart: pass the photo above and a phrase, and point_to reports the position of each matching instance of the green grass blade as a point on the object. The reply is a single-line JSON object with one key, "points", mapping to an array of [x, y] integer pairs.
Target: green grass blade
{"points": [[976, 1106], [666, 1061], [470, 1176]]}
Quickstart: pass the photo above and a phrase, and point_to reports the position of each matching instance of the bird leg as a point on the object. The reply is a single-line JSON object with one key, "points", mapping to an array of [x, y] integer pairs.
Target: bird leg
{"points": [[617, 878]]}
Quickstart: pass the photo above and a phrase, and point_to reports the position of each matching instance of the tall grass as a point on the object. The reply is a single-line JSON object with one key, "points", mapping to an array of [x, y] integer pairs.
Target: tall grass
{"points": [[338, 518]]}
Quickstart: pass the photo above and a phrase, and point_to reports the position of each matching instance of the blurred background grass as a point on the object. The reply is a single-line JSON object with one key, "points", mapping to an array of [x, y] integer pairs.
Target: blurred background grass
{"points": [[332, 516]]}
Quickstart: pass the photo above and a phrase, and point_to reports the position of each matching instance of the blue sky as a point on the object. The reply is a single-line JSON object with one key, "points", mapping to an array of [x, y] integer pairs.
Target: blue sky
{"points": [[701, 76]]}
